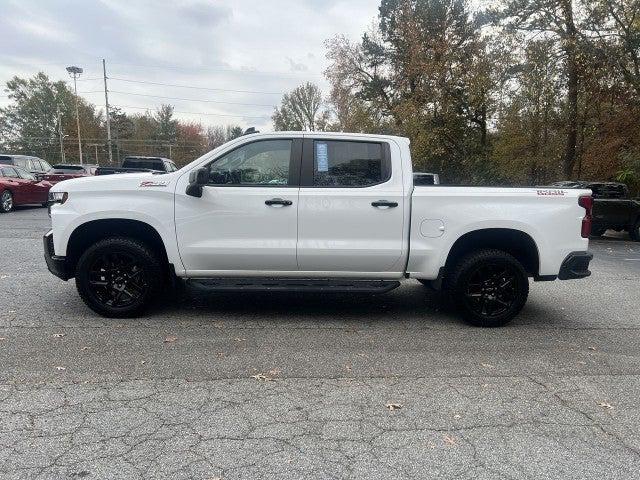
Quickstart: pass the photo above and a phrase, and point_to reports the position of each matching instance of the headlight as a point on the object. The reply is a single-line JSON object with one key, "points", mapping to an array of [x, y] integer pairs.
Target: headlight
{"points": [[57, 197]]}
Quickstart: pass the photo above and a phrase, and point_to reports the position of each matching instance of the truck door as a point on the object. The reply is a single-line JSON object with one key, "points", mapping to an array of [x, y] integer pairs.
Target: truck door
{"points": [[350, 217], [246, 219]]}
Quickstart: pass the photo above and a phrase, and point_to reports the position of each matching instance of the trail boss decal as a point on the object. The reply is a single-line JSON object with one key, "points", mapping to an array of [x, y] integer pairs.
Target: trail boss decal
{"points": [[154, 183], [550, 192]]}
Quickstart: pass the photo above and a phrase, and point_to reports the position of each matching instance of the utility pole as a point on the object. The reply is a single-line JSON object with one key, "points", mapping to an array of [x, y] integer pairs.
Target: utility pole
{"points": [[106, 104], [61, 136], [75, 72]]}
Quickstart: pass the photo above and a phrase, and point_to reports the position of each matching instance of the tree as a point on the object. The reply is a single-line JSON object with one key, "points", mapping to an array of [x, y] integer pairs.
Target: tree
{"points": [[166, 125], [301, 109], [121, 124], [555, 18], [420, 74], [614, 28], [30, 123], [530, 121]]}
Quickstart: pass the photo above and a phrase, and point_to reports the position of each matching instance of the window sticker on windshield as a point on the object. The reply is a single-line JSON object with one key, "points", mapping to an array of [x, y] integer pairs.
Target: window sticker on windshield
{"points": [[322, 157]]}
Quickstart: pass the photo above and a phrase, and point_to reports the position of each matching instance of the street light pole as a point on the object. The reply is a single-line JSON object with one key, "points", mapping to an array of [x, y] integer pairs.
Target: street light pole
{"points": [[61, 136], [75, 73]]}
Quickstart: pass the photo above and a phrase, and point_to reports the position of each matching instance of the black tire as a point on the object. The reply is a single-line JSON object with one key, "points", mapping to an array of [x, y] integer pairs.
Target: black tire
{"points": [[119, 277], [6, 201], [488, 287], [634, 233]]}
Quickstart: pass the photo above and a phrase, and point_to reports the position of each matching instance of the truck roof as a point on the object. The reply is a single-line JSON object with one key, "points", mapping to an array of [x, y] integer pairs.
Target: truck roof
{"points": [[329, 134], [143, 157]]}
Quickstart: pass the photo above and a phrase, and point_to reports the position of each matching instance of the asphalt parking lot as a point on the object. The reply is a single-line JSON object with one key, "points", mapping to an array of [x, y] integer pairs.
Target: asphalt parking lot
{"points": [[290, 386]]}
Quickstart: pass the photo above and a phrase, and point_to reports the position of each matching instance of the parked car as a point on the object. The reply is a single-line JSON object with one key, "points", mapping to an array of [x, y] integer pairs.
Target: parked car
{"points": [[34, 165], [613, 208], [312, 212], [135, 164], [19, 187], [61, 172]]}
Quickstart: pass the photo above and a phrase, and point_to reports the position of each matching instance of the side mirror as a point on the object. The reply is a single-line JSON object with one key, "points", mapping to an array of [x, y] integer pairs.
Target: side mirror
{"points": [[197, 179]]}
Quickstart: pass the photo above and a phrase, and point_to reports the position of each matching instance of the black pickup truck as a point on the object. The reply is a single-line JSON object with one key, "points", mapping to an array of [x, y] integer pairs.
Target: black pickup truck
{"points": [[613, 208], [133, 164]]}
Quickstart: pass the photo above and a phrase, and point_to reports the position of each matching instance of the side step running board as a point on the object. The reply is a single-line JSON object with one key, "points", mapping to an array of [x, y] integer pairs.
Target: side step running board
{"points": [[293, 284]]}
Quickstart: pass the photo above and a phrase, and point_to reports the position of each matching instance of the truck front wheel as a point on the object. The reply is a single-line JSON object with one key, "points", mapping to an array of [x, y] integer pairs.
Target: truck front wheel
{"points": [[489, 287], [118, 277]]}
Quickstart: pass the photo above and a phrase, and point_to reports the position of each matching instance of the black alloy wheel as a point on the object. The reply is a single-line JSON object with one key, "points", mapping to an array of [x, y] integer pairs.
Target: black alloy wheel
{"points": [[119, 277], [489, 287]]}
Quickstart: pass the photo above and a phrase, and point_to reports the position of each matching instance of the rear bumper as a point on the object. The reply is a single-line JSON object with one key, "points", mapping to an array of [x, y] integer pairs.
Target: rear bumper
{"points": [[576, 265], [56, 265]]}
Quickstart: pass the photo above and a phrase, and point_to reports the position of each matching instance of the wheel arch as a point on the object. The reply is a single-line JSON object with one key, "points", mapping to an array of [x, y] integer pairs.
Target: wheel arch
{"points": [[88, 233], [513, 241]]}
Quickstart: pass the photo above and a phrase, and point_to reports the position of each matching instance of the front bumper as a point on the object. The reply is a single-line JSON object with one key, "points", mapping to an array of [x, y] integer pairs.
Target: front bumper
{"points": [[576, 265], [56, 265]]}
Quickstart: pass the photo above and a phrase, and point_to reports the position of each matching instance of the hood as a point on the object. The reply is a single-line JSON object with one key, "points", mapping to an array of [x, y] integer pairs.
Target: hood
{"points": [[120, 181]]}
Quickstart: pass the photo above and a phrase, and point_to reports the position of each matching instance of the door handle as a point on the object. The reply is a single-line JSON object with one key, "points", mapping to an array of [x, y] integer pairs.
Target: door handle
{"points": [[384, 203], [278, 201]]}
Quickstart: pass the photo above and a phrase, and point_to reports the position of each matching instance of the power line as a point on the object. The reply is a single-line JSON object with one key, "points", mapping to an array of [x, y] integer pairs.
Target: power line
{"points": [[189, 99], [216, 69], [193, 87], [197, 113]]}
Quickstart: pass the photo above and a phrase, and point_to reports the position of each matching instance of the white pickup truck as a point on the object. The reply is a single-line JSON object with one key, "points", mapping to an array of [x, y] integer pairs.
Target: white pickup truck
{"points": [[312, 212]]}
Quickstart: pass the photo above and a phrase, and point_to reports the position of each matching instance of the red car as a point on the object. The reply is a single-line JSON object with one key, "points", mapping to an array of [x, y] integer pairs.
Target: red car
{"points": [[62, 172], [19, 187]]}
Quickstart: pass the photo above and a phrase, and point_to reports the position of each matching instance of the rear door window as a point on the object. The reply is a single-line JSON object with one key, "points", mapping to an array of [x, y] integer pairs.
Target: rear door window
{"points": [[338, 163]]}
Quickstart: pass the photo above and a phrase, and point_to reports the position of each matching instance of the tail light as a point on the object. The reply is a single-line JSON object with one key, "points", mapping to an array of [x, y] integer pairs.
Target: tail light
{"points": [[586, 202]]}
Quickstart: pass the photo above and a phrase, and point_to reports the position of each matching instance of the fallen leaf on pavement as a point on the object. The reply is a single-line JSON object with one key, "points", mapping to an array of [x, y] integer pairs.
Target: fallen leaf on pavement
{"points": [[394, 406], [58, 335], [84, 349], [591, 348], [606, 405], [170, 339], [449, 440], [61, 368], [261, 376]]}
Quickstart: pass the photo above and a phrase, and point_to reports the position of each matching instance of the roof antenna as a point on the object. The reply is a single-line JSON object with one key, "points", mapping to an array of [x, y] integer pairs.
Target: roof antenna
{"points": [[250, 130]]}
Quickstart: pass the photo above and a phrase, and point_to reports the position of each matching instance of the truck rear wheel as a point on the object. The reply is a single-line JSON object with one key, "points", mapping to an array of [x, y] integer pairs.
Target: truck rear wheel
{"points": [[119, 277], [489, 287], [634, 233]]}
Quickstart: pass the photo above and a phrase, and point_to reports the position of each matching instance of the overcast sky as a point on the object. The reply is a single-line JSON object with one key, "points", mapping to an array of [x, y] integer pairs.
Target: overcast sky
{"points": [[267, 46]]}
